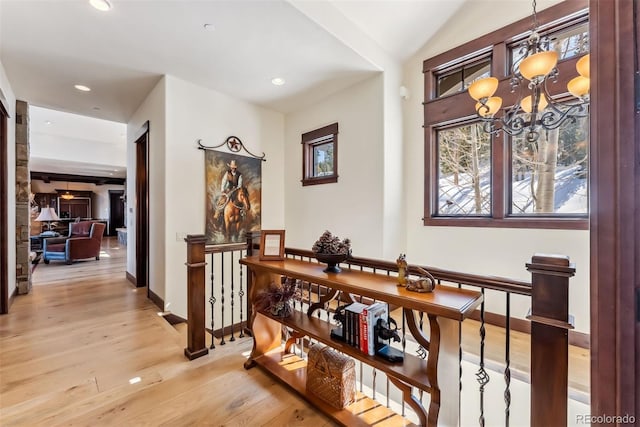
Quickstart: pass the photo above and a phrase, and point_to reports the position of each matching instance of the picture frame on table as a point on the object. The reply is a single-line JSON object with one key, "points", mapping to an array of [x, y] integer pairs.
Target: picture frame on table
{"points": [[272, 245]]}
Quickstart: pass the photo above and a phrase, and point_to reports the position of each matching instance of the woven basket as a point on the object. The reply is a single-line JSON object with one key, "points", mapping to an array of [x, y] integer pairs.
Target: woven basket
{"points": [[331, 376]]}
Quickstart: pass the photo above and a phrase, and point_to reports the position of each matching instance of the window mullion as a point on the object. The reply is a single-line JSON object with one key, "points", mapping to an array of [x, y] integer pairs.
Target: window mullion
{"points": [[499, 159], [500, 62]]}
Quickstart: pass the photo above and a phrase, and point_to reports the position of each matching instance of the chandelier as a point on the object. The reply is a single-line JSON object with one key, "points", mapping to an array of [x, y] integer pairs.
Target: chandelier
{"points": [[537, 110], [67, 195]]}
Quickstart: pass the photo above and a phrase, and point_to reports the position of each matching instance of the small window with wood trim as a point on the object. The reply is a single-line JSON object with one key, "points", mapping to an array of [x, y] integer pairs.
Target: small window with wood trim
{"points": [[320, 155]]}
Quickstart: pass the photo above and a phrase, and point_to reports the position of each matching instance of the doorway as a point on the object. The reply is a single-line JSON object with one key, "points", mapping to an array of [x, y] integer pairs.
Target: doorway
{"points": [[116, 211], [4, 221], [142, 208]]}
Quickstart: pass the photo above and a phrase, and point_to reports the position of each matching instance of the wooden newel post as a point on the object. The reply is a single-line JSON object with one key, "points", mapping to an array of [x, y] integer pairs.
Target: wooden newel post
{"points": [[550, 326], [196, 344]]}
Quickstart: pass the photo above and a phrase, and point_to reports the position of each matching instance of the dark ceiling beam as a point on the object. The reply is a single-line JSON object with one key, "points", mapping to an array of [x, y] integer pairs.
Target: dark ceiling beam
{"points": [[47, 177]]}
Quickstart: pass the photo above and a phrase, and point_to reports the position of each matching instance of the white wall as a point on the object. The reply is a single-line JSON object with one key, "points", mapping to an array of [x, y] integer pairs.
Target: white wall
{"points": [[153, 110], [8, 99], [193, 113], [57, 147], [100, 203], [490, 251], [391, 227], [180, 113], [352, 207]]}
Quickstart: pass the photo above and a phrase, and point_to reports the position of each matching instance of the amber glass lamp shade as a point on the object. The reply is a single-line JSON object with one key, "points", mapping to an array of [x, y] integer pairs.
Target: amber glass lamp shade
{"points": [[538, 65], [579, 86], [490, 107], [483, 88], [583, 66], [525, 104]]}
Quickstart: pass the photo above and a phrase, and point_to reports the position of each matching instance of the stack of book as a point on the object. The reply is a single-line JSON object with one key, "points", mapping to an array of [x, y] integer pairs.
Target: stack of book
{"points": [[360, 320]]}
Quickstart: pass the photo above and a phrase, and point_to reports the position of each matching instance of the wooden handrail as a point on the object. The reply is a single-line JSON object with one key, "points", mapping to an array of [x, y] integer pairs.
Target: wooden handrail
{"points": [[488, 282], [216, 249]]}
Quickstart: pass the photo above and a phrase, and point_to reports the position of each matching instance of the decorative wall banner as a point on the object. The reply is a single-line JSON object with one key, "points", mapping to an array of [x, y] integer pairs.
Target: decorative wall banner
{"points": [[233, 192], [233, 196]]}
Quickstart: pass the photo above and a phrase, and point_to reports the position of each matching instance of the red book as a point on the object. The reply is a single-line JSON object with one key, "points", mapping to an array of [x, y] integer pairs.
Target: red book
{"points": [[364, 331]]}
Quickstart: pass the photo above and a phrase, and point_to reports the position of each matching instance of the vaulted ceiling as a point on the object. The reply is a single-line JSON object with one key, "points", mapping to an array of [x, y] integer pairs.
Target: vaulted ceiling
{"points": [[47, 47], [235, 47]]}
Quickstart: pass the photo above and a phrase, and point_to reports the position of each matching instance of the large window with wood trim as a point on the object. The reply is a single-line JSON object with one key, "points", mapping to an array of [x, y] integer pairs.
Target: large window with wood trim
{"points": [[475, 176]]}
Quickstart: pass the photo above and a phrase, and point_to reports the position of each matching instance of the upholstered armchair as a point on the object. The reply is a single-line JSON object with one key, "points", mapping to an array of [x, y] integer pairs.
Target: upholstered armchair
{"points": [[78, 246]]}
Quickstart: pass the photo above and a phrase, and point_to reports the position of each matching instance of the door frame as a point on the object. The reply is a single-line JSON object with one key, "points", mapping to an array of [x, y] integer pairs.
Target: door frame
{"points": [[142, 207], [614, 206], [4, 211]]}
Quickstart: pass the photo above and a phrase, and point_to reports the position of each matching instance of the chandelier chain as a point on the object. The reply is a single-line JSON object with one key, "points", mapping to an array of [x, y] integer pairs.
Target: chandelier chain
{"points": [[535, 16]]}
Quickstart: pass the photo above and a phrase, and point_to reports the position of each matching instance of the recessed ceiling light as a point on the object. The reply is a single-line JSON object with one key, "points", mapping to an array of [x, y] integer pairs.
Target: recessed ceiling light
{"points": [[48, 122], [209, 27], [278, 81], [83, 88], [102, 5]]}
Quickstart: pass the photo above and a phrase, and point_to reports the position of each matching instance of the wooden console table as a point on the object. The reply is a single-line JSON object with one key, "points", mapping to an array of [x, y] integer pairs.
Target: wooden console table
{"points": [[445, 308]]}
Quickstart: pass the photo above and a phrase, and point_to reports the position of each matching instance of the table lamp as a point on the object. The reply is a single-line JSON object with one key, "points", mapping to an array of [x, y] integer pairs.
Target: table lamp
{"points": [[47, 215]]}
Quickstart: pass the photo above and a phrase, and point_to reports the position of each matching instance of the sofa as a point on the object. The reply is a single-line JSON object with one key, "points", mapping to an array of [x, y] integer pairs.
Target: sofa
{"points": [[84, 241]]}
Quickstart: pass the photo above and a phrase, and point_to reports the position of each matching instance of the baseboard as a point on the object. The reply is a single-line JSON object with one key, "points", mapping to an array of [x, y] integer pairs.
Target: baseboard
{"points": [[578, 339], [237, 328], [156, 300], [12, 297], [173, 319], [131, 278]]}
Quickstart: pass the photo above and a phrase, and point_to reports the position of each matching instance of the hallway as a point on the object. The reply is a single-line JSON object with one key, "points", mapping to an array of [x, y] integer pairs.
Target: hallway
{"points": [[87, 348]]}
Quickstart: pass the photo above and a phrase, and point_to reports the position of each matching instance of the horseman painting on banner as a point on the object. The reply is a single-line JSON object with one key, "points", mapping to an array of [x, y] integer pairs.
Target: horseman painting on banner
{"points": [[233, 196]]}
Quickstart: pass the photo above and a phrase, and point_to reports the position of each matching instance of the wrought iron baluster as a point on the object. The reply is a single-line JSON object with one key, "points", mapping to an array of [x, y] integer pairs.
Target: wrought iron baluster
{"points": [[403, 412], [233, 338], [373, 384], [318, 299], [389, 393], [241, 295], [507, 359], [481, 375], [459, 363], [404, 333], [222, 342], [422, 352], [212, 300]]}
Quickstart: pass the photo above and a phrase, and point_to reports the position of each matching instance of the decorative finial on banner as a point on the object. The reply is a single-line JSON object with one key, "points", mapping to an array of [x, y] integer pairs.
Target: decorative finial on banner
{"points": [[234, 144]]}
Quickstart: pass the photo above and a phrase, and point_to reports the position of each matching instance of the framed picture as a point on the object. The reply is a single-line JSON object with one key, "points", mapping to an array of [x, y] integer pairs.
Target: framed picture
{"points": [[272, 245]]}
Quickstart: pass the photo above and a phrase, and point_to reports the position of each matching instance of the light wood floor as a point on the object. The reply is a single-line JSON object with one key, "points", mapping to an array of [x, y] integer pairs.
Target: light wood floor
{"points": [[70, 348]]}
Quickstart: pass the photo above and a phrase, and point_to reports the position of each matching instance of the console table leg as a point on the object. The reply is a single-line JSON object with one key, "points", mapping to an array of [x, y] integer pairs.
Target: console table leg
{"points": [[445, 346]]}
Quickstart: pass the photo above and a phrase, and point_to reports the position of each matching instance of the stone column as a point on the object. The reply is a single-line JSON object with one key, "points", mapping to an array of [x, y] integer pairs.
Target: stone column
{"points": [[23, 189]]}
